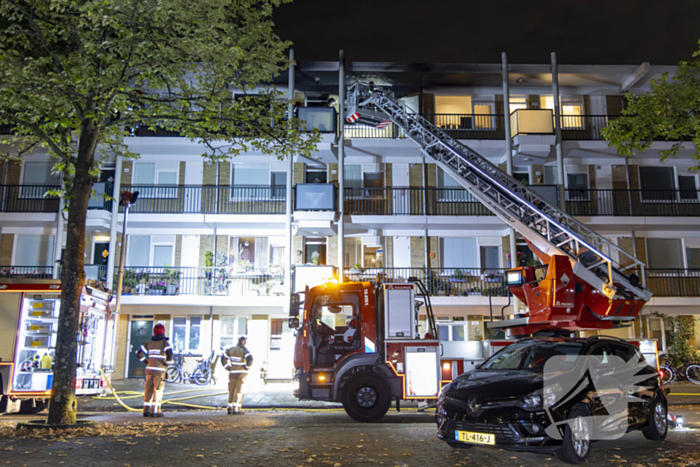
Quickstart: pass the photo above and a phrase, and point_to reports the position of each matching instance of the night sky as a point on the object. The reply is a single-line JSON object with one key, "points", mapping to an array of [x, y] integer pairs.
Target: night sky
{"points": [[661, 32]]}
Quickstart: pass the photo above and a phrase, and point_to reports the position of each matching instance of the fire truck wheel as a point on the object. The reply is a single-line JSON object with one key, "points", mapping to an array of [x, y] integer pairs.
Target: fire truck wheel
{"points": [[29, 407], [367, 397]]}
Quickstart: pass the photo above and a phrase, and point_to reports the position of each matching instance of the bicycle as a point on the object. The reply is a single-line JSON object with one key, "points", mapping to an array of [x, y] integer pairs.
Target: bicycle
{"points": [[201, 376], [669, 372]]}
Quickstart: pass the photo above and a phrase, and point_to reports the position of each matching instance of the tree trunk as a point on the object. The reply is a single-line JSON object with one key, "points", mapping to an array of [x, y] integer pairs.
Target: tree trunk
{"points": [[64, 405]]}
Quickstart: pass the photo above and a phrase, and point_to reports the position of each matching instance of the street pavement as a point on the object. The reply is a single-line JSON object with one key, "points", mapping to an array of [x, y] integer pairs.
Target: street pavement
{"points": [[261, 396], [306, 438]]}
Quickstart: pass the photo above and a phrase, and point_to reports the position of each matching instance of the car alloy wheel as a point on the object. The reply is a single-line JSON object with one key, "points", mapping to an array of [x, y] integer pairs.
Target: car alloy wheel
{"points": [[660, 419], [580, 435], [366, 397]]}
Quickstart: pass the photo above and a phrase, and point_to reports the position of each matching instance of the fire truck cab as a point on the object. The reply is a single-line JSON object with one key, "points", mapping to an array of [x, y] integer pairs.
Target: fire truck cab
{"points": [[358, 343]]}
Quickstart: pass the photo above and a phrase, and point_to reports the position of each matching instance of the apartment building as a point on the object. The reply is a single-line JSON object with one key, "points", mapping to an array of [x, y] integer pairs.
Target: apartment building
{"points": [[207, 243]]}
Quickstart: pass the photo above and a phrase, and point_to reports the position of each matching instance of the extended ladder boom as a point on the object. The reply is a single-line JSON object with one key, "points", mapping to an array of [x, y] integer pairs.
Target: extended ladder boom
{"points": [[594, 258]]}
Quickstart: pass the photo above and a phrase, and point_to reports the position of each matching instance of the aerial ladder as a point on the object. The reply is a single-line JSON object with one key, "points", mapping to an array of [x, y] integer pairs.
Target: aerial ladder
{"points": [[588, 282]]}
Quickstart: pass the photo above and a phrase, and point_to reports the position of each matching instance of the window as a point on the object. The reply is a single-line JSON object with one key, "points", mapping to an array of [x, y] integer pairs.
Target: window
{"points": [[315, 251], [665, 253], [162, 255], [186, 334], [459, 253], [228, 337], [374, 184], [483, 117], [277, 256], [353, 251], [249, 252], [450, 190], [489, 258], [139, 251], [316, 176], [550, 175], [687, 187], [571, 108], [156, 173], [693, 257], [657, 183], [250, 182], [459, 105], [353, 176], [38, 174], [34, 250], [517, 103], [577, 185], [454, 332], [279, 185]]}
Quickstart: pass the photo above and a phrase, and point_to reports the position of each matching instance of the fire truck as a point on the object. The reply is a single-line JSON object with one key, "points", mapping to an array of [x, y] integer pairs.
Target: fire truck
{"points": [[358, 343], [29, 311]]}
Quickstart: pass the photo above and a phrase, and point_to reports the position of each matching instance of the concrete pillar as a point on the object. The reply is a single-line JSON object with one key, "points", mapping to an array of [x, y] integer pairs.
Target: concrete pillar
{"points": [[111, 259], [290, 181], [341, 167], [557, 132]]}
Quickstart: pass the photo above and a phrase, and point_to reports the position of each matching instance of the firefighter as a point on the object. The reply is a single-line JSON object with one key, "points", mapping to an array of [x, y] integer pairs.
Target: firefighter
{"points": [[157, 355], [237, 360]]}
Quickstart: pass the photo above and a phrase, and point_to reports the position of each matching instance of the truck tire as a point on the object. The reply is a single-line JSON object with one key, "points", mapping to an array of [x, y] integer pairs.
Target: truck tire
{"points": [[367, 397], [32, 407]]}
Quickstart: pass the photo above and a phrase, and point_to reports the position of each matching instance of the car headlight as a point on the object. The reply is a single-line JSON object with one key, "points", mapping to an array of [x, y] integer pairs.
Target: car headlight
{"points": [[533, 400]]}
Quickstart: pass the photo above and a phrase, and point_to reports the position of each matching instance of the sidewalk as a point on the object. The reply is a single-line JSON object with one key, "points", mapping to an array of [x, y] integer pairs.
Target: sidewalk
{"points": [[256, 395]]}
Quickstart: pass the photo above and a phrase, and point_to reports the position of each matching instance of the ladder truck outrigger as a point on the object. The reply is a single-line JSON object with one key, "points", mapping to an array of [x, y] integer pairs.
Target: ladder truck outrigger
{"points": [[586, 282]]}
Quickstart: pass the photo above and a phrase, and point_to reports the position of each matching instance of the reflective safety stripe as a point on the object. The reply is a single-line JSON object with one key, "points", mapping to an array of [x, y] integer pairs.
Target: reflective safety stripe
{"points": [[237, 363], [147, 404], [248, 355], [167, 348], [154, 368], [238, 371], [236, 359], [144, 349], [154, 351], [161, 357]]}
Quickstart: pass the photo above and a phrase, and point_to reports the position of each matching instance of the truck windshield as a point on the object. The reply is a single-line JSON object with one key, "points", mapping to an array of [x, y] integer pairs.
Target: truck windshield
{"points": [[332, 312], [532, 356]]}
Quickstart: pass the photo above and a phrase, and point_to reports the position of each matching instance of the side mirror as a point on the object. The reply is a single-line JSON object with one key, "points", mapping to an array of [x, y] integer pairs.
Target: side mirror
{"points": [[294, 305], [293, 323]]}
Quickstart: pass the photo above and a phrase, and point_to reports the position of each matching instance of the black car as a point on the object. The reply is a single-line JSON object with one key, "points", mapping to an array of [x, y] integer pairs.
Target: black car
{"points": [[554, 395]]}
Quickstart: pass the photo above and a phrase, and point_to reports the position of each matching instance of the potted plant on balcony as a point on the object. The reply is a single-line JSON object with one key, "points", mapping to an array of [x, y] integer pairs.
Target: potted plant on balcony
{"points": [[208, 263], [128, 281], [315, 257], [241, 266], [172, 281], [357, 269], [140, 278], [458, 276]]}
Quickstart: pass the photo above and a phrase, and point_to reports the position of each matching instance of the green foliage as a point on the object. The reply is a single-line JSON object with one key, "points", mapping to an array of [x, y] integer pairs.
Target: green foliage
{"points": [[682, 332], [208, 259], [71, 68], [671, 111]]}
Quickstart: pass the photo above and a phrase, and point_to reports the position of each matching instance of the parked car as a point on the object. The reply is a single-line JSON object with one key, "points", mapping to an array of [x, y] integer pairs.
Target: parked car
{"points": [[554, 395]]}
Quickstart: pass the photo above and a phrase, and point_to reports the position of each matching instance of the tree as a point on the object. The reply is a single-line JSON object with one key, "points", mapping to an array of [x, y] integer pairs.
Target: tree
{"points": [[670, 111], [75, 75]]}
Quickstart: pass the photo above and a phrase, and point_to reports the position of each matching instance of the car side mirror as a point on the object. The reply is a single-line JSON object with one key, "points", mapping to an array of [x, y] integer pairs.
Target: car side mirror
{"points": [[294, 305], [293, 323]]}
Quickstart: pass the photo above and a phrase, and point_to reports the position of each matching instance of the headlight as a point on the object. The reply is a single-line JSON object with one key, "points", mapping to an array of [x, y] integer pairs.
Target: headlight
{"points": [[550, 394], [533, 400]]}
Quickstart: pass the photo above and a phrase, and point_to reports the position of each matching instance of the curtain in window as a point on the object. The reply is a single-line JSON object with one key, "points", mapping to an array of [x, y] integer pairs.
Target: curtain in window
{"points": [[665, 253], [250, 175], [139, 251], [262, 253], [353, 176], [39, 173], [179, 332], [167, 178], [459, 253], [162, 256], [34, 250], [145, 174], [450, 190], [232, 250], [656, 183]]}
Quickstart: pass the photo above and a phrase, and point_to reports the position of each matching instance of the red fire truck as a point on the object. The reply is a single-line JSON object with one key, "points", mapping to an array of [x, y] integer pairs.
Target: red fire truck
{"points": [[28, 325]]}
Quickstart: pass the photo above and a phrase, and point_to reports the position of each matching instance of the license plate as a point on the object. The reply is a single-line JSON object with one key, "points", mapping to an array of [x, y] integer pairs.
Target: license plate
{"points": [[476, 438], [91, 383]]}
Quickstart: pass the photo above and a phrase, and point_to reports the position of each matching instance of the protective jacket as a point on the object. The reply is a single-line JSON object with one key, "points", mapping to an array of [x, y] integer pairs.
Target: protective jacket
{"points": [[237, 359], [156, 354]]}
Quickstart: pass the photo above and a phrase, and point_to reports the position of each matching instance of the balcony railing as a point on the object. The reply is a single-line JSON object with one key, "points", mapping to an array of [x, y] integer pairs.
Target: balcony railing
{"points": [[28, 198], [459, 282], [674, 282], [170, 199], [633, 202], [466, 126], [206, 281], [410, 202], [26, 272]]}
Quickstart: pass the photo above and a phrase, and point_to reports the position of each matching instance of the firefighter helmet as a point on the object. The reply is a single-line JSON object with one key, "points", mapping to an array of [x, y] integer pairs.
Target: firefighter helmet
{"points": [[158, 329]]}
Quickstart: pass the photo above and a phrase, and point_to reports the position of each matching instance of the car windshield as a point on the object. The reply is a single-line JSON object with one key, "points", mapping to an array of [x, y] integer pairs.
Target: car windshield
{"points": [[532, 355]]}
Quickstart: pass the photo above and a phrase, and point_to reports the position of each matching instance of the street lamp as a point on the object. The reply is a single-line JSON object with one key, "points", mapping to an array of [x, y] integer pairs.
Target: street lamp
{"points": [[127, 199]]}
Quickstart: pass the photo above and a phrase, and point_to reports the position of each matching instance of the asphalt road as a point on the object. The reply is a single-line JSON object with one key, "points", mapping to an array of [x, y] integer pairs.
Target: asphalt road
{"points": [[306, 438]]}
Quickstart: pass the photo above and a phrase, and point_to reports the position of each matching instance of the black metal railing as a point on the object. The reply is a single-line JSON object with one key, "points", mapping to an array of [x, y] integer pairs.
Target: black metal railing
{"points": [[170, 199], [231, 281], [28, 198], [26, 272], [633, 202], [466, 126], [413, 202], [674, 282], [460, 282]]}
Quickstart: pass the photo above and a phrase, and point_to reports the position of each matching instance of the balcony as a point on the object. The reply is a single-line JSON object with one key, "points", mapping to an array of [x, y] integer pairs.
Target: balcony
{"points": [[454, 282], [413, 202], [26, 272], [674, 282], [170, 199], [650, 203], [28, 198], [204, 281]]}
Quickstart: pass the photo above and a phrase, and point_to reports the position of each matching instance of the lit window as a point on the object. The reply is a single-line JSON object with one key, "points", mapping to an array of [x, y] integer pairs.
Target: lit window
{"points": [[186, 334]]}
